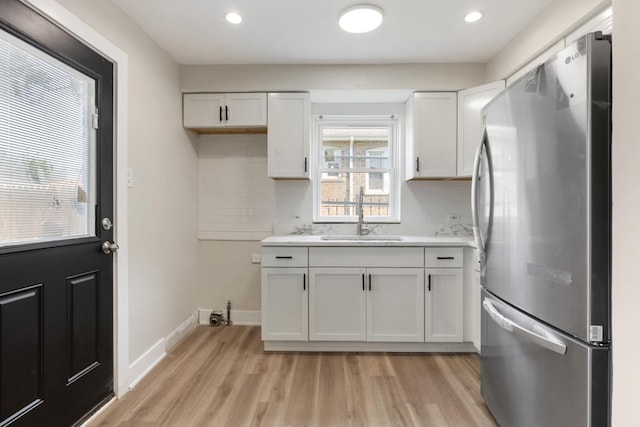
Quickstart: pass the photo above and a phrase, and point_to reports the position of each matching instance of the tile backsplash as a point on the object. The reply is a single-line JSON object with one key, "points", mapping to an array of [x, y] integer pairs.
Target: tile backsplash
{"points": [[237, 201]]}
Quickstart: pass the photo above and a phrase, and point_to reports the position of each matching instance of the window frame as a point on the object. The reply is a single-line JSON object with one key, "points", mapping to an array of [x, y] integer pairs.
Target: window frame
{"points": [[393, 122], [385, 178]]}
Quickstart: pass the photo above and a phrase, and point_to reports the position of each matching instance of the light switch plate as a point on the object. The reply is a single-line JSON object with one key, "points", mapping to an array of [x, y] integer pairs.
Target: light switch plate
{"points": [[130, 177], [256, 258]]}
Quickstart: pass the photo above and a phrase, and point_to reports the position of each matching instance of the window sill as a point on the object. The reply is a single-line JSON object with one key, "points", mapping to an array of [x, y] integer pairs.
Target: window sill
{"points": [[378, 221]]}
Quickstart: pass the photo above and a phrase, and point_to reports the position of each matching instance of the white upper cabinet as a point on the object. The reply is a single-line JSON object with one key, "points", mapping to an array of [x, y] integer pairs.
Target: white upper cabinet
{"points": [[204, 111], [470, 127], [431, 135], [288, 135]]}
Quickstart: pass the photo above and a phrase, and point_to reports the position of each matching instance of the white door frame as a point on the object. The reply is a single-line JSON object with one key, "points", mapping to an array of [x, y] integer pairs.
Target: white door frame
{"points": [[90, 37]]}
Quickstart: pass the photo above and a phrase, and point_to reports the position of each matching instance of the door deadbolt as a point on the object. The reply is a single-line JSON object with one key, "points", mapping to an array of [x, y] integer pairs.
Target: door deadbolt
{"points": [[107, 224]]}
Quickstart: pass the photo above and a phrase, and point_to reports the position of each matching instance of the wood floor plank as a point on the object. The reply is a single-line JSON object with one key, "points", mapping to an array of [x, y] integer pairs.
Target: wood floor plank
{"points": [[222, 377]]}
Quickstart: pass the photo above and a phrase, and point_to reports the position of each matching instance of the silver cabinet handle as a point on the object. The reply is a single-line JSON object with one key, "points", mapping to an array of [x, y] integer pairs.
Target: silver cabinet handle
{"points": [[511, 326], [109, 247]]}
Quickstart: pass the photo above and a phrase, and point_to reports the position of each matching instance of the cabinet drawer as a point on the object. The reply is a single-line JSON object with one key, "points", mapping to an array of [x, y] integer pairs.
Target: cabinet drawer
{"points": [[365, 257], [442, 257], [284, 256]]}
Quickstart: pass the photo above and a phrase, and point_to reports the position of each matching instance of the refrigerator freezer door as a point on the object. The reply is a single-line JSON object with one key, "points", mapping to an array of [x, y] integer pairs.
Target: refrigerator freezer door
{"points": [[547, 251], [544, 379]]}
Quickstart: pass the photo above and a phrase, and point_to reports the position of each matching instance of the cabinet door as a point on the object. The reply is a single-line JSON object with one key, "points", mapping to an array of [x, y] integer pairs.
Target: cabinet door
{"points": [[285, 304], [470, 127], [203, 110], [395, 304], [337, 304], [245, 109], [288, 136], [476, 298], [443, 305], [434, 119]]}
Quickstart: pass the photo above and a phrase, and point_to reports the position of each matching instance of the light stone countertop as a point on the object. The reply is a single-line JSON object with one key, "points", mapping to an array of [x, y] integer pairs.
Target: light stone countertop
{"points": [[316, 240]]}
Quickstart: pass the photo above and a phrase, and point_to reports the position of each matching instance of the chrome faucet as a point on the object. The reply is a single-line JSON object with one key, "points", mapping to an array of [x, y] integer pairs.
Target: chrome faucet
{"points": [[360, 209]]}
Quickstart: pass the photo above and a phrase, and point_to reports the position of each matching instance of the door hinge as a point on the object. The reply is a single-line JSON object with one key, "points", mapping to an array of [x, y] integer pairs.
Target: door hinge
{"points": [[595, 333], [94, 119]]}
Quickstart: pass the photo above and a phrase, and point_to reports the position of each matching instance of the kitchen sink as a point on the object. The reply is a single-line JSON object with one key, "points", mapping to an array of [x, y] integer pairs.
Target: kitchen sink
{"points": [[352, 237]]}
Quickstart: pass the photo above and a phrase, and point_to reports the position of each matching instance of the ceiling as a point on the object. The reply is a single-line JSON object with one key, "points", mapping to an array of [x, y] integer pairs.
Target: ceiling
{"points": [[307, 32]]}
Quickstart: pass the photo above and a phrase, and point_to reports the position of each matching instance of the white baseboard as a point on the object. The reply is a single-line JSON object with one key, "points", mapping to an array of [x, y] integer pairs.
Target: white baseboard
{"points": [[145, 363], [181, 331], [238, 317], [349, 346]]}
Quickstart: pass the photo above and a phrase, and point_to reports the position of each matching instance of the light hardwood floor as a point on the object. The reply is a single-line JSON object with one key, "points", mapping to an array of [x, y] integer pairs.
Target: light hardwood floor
{"points": [[221, 377]]}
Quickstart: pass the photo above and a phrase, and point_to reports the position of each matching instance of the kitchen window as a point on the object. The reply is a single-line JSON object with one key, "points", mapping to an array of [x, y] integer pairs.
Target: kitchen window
{"points": [[356, 152]]}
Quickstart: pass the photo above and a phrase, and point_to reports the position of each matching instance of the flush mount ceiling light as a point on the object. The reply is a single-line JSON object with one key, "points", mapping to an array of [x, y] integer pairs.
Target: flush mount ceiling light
{"points": [[473, 16], [233, 18], [361, 18]]}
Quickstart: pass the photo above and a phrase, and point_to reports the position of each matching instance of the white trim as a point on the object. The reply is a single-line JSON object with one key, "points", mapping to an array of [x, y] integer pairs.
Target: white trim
{"points": [[409, 347], [181, 331], [121, 261], [355, 120], [238, 317], [145, 363]]}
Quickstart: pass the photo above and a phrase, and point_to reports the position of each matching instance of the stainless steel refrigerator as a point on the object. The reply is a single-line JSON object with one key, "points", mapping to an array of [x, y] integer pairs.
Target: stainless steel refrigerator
{"points": [[542, 219]]}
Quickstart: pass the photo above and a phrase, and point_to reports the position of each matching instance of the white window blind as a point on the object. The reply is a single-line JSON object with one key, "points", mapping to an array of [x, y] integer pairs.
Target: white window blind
{"points": [[47, 147]]}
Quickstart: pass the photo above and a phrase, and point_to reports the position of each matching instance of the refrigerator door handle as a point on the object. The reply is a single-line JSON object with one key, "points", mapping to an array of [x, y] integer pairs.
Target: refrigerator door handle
{"points": [[511, 326], [475, 209]]}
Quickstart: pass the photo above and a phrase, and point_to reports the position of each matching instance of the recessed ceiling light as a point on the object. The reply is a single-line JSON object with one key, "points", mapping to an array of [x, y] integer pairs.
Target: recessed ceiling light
{"points": [[361, 18], [473, 16], [233, 18]]}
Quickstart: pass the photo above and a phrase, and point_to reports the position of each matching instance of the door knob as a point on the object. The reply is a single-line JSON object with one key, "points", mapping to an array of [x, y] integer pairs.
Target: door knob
{"points": [[109, 247]]}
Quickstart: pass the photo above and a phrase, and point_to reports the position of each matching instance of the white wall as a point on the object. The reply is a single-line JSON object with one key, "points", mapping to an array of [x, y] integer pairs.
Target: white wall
{"points": [[246, 78], [163, 202], [558, 20], [626, 211]]}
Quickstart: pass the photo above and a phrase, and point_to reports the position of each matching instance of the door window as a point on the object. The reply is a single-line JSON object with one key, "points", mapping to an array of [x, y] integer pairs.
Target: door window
{"points": [[47, 147]]}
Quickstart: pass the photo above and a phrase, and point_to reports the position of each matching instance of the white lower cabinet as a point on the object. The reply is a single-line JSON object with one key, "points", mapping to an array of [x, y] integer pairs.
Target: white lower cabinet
{"points": [[443, 305], [366, 304], [285, 304], [395, 308], [476, 298], [337, 304], [365, 298]]}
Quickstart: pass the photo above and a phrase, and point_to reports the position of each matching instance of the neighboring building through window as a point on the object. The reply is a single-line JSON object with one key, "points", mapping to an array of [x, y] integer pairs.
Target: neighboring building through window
{"points": [[355, 152]]}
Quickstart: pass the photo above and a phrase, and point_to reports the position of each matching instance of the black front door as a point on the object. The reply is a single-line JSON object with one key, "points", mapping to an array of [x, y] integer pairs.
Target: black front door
{"points": [[56, 205]]}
